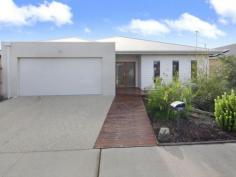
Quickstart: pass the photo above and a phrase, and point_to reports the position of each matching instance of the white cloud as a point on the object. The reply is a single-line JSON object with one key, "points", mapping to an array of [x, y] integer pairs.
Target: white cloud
{"points": [[188, 22], [87, 30], [145, 27], [223, 21], [226, 9], [56, 12]]}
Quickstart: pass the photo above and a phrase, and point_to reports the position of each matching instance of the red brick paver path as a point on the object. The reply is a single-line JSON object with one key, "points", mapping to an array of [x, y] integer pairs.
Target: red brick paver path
{"points": [[126, 125]]}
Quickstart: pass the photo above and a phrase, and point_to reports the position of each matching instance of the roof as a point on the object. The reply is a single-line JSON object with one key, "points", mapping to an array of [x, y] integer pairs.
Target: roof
{"points": [[125, 45], [132, 45], [231, 48]]}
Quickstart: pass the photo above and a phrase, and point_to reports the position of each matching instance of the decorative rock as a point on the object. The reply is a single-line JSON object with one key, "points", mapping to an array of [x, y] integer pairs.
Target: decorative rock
{"points": [[164, 135]]}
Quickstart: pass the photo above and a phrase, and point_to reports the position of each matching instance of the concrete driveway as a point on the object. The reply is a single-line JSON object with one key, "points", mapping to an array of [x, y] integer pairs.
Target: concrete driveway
{"points": [[29, 124]]}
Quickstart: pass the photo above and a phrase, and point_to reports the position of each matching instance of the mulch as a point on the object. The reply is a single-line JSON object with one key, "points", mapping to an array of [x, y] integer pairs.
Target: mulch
{"points": [[193, 129]]}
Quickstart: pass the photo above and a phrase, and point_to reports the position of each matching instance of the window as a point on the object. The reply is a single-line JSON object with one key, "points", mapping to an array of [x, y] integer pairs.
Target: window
{"points": [[194, 69], [175, 69], [156, 69]]}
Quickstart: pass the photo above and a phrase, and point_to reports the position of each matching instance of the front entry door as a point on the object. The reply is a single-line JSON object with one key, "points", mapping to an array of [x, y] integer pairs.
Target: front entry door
{"points": [[125, 74]]}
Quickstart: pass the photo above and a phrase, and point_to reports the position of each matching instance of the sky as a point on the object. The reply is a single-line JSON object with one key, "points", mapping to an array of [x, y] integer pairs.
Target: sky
{"points": [[174, 21]]}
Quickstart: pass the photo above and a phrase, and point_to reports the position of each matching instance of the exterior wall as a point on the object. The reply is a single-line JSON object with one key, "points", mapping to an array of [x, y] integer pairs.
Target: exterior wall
{"points": [[12, 52], [0, 78], [147, 71], [131, 58]]}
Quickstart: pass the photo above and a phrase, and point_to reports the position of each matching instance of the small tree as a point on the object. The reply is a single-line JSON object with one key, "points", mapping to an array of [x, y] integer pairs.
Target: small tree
{"points": [[205, 89]]}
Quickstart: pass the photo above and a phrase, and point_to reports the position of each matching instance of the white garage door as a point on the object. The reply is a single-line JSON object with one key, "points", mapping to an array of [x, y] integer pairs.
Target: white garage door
{"points": [[63, 76]]}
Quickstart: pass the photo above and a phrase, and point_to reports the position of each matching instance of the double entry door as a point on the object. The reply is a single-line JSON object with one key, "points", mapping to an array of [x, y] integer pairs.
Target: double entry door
{"points": [[125, 74]]}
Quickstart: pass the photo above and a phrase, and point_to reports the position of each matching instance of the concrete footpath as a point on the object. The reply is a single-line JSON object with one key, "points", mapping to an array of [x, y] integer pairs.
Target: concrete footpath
{"points": [[176, 161], [83, 163]]}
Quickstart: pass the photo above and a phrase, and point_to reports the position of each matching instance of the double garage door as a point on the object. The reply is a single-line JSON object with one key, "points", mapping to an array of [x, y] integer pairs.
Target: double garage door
{"points": [[60, 76]]}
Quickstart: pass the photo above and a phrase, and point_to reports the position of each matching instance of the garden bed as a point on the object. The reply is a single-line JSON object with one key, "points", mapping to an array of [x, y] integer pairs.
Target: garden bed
{"points": [[195, 128]]}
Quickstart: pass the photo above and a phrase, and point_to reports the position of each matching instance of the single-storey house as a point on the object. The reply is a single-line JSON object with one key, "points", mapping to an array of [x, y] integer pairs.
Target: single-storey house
{"points": [[95, 67]]}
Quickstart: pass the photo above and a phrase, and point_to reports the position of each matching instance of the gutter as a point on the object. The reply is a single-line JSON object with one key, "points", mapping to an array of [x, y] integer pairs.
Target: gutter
{"points": [[168, 52]]}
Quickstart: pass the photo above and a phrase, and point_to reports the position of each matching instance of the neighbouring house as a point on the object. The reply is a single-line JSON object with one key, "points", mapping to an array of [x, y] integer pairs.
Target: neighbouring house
{"points": [[228, 50], [75, 67]]}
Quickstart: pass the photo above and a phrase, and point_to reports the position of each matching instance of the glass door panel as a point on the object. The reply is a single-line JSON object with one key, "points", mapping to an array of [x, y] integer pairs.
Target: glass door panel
{"points": [[130, 74], [120, 69], [125, 74]]}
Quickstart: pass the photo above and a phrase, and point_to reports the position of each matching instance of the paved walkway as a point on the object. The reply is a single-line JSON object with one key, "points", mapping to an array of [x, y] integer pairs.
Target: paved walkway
{"points": [[126, 125]]}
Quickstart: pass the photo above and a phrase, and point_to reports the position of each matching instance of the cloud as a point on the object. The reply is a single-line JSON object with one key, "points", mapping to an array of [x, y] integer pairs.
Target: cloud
{"points": [[87, 30], [55, 12], [188, 22], [226, 9], [223, 21], [145, 27]]}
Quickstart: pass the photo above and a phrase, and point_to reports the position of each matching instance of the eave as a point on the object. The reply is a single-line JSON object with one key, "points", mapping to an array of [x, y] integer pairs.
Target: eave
{"points": [[168, 52]]}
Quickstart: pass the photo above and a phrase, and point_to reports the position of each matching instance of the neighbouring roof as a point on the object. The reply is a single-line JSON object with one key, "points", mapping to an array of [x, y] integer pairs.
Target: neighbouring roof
{"points": [[131, 45], [231, 48]]}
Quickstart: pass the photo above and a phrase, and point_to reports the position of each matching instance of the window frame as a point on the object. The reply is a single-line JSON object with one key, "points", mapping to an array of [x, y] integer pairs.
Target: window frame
{"points": [[156, 63], [175, 74], [194, 75]]}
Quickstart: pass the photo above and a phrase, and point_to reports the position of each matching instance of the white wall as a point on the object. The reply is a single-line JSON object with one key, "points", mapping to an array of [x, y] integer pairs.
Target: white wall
{"points": [[0, 76], [12, 52], [147, 71]]}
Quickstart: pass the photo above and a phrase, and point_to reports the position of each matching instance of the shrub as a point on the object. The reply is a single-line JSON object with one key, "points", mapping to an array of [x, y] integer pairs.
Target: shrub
{"points": [[163, 95], [225, 111], [205, 89], [228, 71]]}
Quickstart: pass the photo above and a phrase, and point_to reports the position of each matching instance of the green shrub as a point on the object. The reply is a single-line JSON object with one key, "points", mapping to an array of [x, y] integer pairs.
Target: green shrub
{"points": [[205, 89], [228, 71], [163, 95], [225, 111]]}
